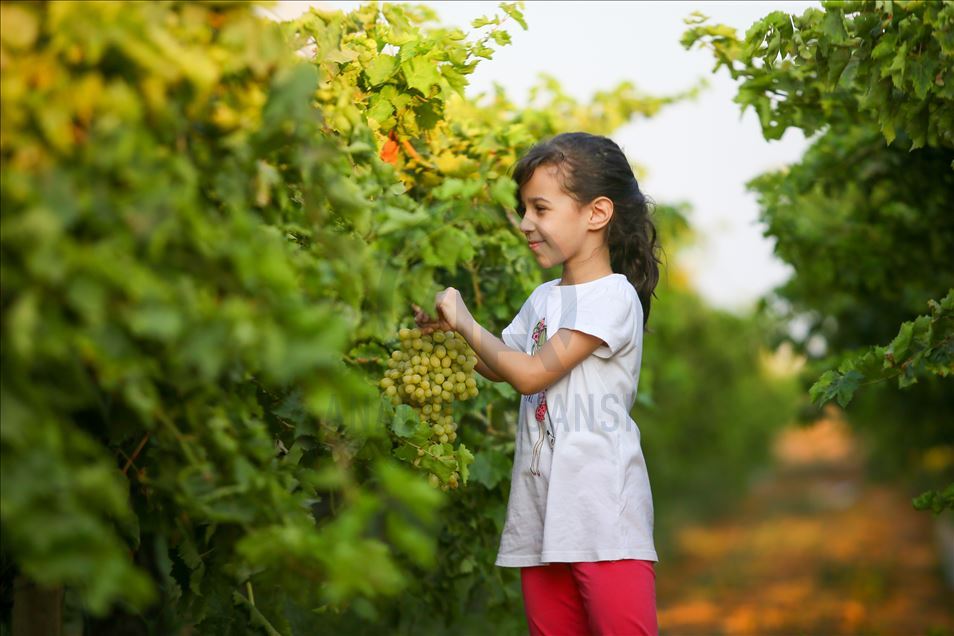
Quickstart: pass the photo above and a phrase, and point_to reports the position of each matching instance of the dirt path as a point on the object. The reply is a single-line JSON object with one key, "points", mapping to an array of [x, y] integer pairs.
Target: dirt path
{"points": [[814, 549]]}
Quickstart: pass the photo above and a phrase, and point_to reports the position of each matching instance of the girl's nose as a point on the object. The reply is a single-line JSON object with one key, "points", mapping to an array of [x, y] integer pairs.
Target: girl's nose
{"points": [[525, 226]]}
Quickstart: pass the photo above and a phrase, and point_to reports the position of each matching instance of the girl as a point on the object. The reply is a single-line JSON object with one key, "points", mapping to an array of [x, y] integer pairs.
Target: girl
{"points": [[579, 519]]}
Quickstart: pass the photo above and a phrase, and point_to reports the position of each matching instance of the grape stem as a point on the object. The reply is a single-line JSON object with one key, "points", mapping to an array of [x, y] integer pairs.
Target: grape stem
{"points": [[478, 297], [136, 452]]}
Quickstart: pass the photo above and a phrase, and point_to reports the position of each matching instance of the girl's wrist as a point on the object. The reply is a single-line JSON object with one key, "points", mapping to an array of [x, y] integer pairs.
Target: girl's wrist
{"points": [[463, 325], [466, 327]]}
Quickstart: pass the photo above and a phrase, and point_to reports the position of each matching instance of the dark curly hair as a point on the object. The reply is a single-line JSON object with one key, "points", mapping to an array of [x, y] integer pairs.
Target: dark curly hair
{"points": [[592, 166]]}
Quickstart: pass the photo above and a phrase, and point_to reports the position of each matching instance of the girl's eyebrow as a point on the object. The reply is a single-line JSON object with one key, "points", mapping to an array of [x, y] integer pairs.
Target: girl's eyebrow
{"points": [[537, 198]]}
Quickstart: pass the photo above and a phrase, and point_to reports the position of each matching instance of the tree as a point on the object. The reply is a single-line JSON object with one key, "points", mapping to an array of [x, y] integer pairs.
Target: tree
{"points": [[864, 218]]}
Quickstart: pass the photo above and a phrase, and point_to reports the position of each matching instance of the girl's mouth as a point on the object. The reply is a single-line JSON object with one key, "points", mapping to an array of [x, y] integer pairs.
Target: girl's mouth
{"points": [[536, 245]]}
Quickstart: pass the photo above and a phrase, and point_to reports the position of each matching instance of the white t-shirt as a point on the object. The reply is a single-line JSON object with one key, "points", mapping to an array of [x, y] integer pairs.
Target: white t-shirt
{"points": [[579, 488]]}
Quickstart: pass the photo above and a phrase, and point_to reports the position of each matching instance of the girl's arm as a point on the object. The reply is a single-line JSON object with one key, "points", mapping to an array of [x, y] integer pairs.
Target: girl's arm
{"points": [[526, 373], [485, 371]]}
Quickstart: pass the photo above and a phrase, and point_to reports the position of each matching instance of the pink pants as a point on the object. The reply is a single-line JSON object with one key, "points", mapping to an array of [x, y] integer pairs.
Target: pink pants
{"points": [[599, 598]]}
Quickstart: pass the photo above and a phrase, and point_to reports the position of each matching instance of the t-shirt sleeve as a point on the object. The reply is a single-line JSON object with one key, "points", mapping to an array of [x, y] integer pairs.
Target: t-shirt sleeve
{"points": [[515, 334], [610, 315]]}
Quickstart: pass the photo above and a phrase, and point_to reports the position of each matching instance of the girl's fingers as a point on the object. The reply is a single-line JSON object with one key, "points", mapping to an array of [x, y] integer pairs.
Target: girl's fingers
{"points": [[420, 316], [427, 324]]}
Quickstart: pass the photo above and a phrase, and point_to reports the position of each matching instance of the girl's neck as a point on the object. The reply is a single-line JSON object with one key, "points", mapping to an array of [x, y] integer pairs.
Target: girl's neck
{"points": [[585, 274], [590, 262]]}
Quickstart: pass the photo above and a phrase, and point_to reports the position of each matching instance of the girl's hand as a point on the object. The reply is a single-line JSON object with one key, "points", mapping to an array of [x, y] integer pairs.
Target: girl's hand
{"points": [[451, 308], [427, 324]]}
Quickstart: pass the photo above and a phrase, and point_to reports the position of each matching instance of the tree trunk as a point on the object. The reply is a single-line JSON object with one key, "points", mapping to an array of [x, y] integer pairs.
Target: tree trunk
{"points": [[37, 611]]}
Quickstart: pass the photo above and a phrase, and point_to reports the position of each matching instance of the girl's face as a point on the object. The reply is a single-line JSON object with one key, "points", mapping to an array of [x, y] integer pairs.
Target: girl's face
{"points": [[553, 222]]}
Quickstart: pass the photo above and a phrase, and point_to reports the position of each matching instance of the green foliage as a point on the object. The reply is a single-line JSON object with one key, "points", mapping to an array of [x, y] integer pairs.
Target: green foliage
{"points": [[881, 60], [864, 218], [923, 346], [866, 228], [181, 294], [935, 501]]}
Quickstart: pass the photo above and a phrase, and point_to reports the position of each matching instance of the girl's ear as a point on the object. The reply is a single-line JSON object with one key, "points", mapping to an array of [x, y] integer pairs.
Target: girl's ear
{"points": [[601, 212]]}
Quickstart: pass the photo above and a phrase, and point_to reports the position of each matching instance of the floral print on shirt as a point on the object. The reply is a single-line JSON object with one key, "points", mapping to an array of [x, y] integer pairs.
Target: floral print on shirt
{"points": [[539, 338]]}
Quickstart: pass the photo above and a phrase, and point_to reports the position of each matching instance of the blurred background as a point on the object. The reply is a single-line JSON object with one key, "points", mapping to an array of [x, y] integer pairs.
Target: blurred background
{"points": [[216, 218]]}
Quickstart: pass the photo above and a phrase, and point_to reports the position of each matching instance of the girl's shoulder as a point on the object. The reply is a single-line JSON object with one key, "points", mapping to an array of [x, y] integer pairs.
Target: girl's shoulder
{"points": [[615, 290], [611, 296]]}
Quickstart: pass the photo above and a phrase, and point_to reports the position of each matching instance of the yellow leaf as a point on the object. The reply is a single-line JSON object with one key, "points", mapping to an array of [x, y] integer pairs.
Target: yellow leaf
{"points": [[18, 26], [455, 165]]}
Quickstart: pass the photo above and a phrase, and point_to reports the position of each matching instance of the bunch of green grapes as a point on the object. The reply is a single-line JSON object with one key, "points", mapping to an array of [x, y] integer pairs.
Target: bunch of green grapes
{"points": [[428, 373]]}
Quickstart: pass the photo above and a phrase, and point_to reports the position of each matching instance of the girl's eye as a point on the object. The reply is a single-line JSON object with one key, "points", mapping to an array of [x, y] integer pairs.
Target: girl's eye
{"points": [[522, 212]]}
